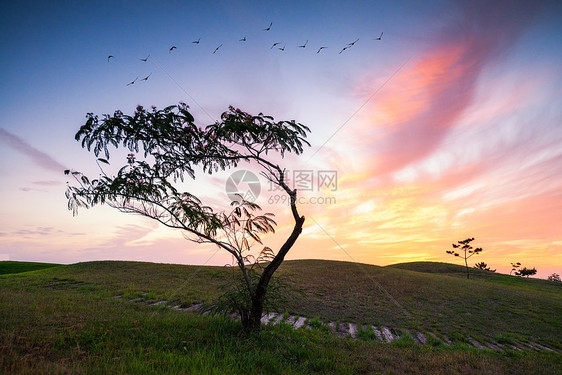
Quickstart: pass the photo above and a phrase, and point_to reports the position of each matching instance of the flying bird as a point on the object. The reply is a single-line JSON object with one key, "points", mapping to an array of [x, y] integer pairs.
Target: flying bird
{"points": [[243, 39], [344, 48], [146, 58], [275, 44], [108, 57], [216, 49], [379, 38], [320, 49], [196, 41], [269, 27], [172, 48], [146, 78], [304, 45], [282, 48], [353, 43], [132, 82]]}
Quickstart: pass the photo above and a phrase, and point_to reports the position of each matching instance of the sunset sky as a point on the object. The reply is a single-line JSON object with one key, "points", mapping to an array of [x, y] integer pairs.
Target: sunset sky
{"points": [[448, 127]]}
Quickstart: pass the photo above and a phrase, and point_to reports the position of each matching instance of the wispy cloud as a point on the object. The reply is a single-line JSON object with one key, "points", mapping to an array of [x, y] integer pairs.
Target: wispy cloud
{"points": [[411, 119], [28, 189], [35, 232], [38, 233], [43, 186], [40, 158], [48, 183], [445, 152]]}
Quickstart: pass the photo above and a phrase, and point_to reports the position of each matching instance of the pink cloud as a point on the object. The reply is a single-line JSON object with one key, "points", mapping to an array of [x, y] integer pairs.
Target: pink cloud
{"points": [[410, 118]]}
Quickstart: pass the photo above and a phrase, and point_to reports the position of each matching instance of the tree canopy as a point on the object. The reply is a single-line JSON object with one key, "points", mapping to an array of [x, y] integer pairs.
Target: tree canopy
{"points": [[465, 252], [166, 146]]}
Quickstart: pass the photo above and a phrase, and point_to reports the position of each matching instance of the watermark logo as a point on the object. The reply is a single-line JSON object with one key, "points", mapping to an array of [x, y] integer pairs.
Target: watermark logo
{"points": [[243, 184], [328, 180], [308, 180]]}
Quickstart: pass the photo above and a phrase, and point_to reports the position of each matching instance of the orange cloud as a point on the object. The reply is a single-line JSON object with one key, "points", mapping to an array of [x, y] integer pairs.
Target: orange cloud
{"points": [[413, 90]]}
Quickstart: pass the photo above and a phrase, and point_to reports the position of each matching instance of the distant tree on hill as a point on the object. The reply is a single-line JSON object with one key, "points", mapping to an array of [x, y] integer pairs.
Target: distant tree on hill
{"points": [[464, 250], [515, 267], [174, 147], [554, 277], [526, 272], [518, 271], [483, 266]]}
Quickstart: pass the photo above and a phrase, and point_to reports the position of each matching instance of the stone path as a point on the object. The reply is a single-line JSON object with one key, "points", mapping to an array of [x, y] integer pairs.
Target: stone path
{"points": [[382, 334]]}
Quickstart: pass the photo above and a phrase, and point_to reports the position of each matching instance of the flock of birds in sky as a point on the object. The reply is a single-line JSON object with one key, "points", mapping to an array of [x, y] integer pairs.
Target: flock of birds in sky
{"points": [[275, 45]]}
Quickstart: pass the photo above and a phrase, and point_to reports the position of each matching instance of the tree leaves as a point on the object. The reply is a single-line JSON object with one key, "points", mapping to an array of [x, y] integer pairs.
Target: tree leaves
{"points": [[466, 251], [173, 147]]}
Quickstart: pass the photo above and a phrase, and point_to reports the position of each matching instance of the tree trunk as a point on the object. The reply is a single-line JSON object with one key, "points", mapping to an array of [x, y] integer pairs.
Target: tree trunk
{"points": [[466, 264], [253, 323], [251, 319], [256, 313]]}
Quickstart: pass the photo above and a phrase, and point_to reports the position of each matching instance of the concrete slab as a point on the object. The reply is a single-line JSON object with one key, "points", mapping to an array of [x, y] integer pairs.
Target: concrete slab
{"points": [[421, 338], [353, 331], [378, 333], [266, 318], [387, 334], [475, 343], [299, 322]]}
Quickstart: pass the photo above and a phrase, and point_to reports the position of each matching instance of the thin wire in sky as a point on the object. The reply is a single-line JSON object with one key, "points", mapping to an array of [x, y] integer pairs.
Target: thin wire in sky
{"points": [[381, 288], [182, 89], [377, 284], [359, 109]]}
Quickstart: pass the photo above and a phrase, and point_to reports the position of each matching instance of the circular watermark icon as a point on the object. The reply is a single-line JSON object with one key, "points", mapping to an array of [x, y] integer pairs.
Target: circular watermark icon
{"points": [[243, 184]]}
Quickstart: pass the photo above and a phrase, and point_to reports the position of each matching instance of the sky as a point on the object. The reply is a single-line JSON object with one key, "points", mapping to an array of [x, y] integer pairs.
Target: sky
{"points": [[447, 127]]}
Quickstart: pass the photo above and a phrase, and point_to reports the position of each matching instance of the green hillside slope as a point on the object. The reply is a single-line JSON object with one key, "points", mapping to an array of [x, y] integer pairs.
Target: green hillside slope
{"points": [[68, 319], [17, 267], [492, 306]]}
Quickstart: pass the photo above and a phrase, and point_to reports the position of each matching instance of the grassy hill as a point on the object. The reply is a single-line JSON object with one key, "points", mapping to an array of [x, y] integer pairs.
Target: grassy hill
{"points": [[439, 298], [66, 319], [9, 266]]}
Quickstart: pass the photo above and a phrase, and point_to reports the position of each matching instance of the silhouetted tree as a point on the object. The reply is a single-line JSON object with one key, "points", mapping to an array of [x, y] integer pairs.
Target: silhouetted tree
{"points": [[172, 146], [554, 277], [465, 251], [483, 266], [515, 267], [526, 272]]}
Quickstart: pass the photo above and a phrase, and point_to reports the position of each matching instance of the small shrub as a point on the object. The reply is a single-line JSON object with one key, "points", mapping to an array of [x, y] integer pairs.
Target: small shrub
{"points": [[504, 340], [526, 272], [367, 334], [483, 266], [316, 323], [405, 341], [458, 338], [149, 296], [434, 342], [131, 294]]}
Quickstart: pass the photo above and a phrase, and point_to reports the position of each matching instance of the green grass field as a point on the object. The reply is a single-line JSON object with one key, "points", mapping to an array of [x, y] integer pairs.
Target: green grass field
{"points": [[17, 267], [67, 319]]}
